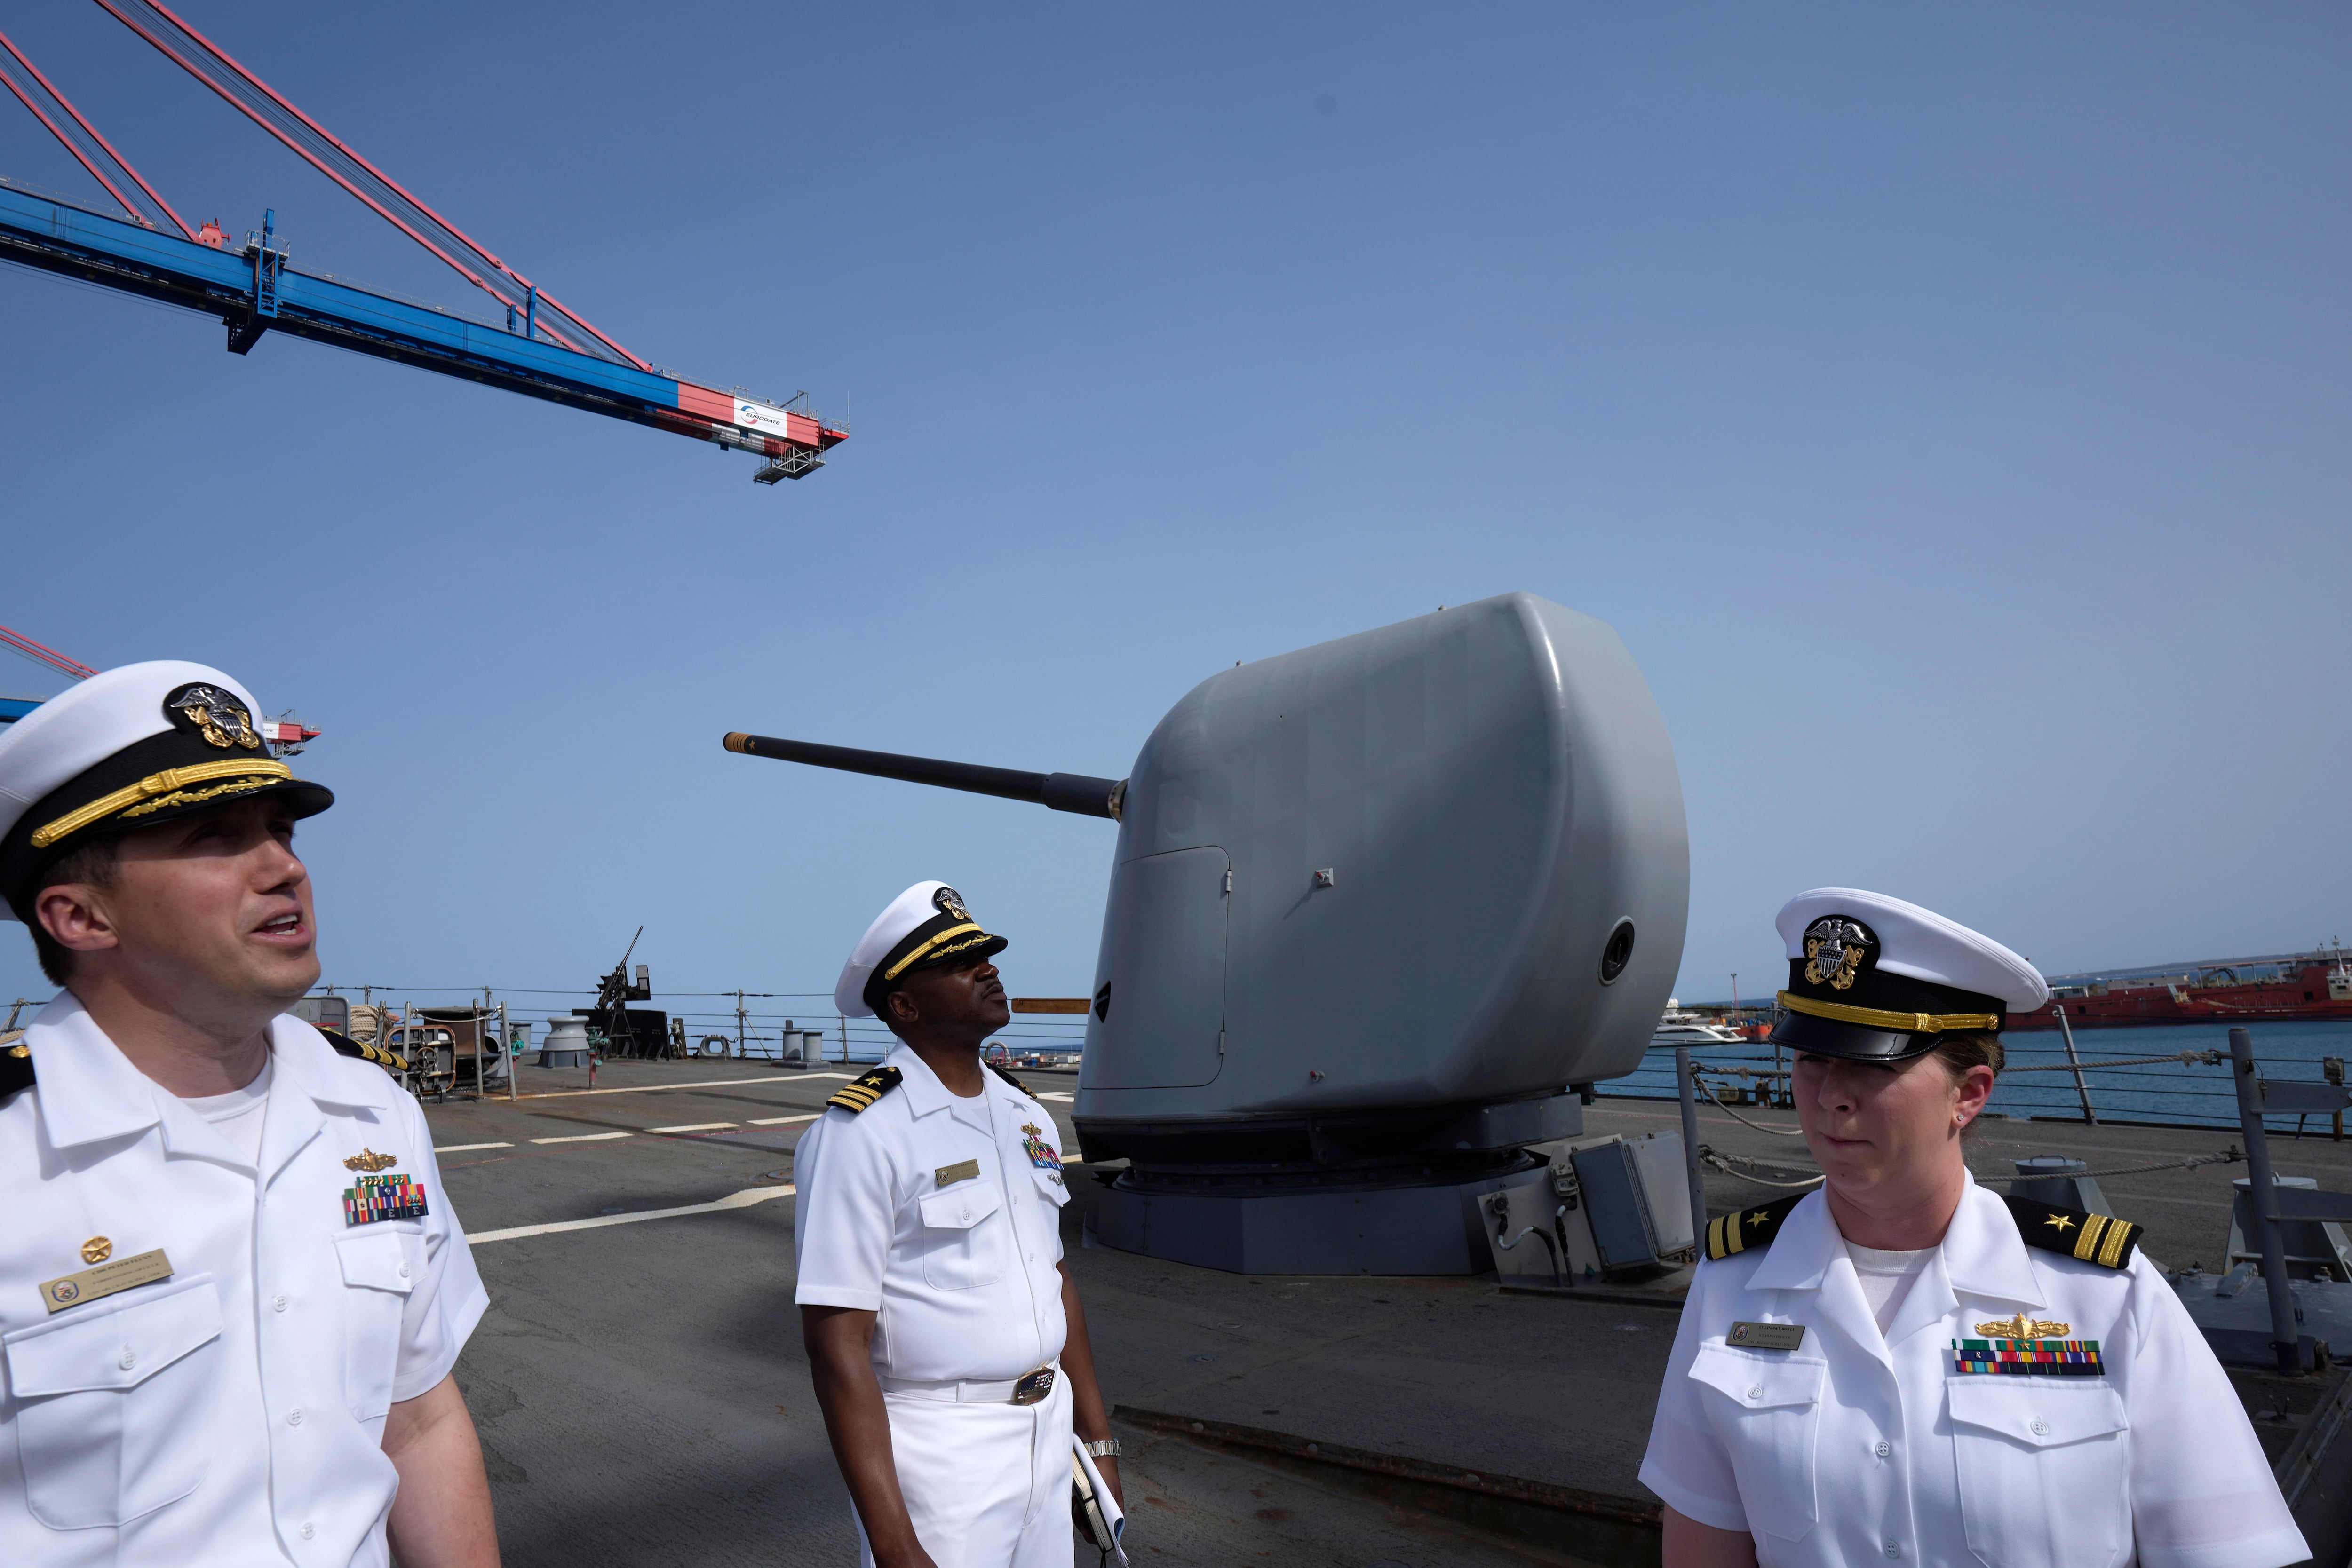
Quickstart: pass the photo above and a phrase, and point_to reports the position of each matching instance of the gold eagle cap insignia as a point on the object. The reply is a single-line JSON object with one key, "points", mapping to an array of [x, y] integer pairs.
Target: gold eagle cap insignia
{"points": [[2023, 1327], [220, 718], [1834, 948], [948, 900], [369, 1160]]}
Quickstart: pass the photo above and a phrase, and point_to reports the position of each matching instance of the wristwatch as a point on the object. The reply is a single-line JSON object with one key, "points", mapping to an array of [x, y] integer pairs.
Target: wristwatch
{"points": [[1105, 1449]]}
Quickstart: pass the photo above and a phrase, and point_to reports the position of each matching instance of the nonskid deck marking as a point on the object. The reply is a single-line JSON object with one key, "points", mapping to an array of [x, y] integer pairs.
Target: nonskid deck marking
{"points": [[743, 1200], [656, 1088]]}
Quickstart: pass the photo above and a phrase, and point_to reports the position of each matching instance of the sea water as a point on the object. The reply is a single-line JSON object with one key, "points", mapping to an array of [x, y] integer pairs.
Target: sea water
{"points": [[2170, 1092]]}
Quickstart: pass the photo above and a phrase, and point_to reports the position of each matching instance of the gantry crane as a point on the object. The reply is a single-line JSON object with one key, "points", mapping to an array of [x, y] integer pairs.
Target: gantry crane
{"points": [[283, 735], [544, 349]]}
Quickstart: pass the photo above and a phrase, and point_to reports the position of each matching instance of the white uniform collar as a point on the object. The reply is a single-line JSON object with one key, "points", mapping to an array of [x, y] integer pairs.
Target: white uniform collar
{"points": [[1982, 1253], [89, 1092], [924, 1092]]}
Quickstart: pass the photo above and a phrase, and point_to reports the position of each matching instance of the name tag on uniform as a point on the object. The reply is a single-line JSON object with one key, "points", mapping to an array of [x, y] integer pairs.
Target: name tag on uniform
{"points": [[90, 1284], [964, 1170], [1766, 1336]]}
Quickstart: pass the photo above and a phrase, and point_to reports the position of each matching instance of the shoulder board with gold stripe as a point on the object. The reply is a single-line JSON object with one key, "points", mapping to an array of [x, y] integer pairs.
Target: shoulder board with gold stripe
{"points": [[2099, 1239], [346, 1046], [1009, 1079], [15, 1063], [1748, 1230], [857, 1096]]}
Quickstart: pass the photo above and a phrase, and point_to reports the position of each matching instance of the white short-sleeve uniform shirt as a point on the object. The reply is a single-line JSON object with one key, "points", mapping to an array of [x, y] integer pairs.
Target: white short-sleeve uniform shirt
{"points": [[943, 1216], [1861, 1447], [231, 1414]]}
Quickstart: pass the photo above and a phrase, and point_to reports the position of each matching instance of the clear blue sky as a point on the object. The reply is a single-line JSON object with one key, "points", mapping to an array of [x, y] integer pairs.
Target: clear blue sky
{"points": [[1947, 406]]}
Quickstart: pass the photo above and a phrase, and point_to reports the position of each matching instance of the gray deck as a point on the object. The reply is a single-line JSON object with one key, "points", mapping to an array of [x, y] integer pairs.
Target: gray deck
{"points": [[643, 1397]]}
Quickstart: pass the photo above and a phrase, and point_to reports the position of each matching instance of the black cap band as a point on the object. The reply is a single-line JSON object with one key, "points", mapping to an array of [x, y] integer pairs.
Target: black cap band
{"points": [[209, 757], [1840, 1003]]}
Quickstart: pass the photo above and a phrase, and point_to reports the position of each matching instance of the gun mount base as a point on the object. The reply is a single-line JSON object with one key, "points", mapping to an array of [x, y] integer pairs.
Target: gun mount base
{"points": [[1428, 1224], [1386, 1195]]}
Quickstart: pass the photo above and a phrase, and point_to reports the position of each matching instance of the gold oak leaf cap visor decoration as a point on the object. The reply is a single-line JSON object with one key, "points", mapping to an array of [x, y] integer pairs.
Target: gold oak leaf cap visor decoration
{"points": [[130, 747], [1872, 978], [924, 927]]}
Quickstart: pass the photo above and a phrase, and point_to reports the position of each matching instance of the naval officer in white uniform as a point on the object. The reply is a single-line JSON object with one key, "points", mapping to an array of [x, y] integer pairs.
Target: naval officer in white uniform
{"points": [[946, 1342], [1902, 1367], [231, 1289]]}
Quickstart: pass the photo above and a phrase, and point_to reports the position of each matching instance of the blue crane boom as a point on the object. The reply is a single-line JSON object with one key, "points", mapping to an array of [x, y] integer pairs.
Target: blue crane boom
{"points": [[546, 349], [253, 290]]}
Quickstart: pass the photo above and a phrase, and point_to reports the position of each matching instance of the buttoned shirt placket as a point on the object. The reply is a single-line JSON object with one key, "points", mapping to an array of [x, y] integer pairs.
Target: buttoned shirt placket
{"points": [[1838, 1307], [1018, 1192]]}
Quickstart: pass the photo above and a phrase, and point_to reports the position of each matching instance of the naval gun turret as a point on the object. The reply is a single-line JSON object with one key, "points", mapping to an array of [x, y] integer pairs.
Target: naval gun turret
{"points": [[1377, 909]]}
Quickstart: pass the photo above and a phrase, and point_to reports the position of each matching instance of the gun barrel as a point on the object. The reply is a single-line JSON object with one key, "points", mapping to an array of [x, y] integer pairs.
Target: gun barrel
{"points": [[1076, 792]]}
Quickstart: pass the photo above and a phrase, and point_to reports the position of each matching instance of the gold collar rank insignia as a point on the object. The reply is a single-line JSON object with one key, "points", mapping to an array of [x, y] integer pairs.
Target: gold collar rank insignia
{"points": [[2023, 1327], [1834, 949], [369, 1160]]}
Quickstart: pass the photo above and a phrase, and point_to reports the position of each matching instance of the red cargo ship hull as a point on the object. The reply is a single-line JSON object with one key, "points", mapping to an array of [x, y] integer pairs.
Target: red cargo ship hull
{"points": [[2314, 990]]}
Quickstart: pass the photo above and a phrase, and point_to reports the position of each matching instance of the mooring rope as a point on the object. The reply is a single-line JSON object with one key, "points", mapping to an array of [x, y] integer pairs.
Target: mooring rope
{"points": [[1725, 1163], [2228, 1157], [2186, 1058], [1778, 1132]]}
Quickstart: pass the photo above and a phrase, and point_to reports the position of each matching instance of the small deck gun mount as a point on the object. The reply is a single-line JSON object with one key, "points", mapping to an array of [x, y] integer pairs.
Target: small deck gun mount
{"points": [[1374, 906], [613, 993]]}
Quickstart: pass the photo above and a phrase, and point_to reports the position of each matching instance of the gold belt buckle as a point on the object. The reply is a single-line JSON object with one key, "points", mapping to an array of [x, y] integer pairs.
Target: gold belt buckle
{"points": [[1033, 1386]]}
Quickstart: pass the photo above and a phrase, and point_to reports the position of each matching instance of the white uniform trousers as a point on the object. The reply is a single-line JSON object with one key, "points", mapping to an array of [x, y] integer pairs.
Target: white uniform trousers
{"points": [[988, 1486]]}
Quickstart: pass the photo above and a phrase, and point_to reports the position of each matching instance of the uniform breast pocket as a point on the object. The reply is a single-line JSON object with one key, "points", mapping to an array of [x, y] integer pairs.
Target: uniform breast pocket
{"points": [[963, 1239], [379, 1270], [1766, 1409], [2043, 1470], [1054, 1186], [115, 1413]]}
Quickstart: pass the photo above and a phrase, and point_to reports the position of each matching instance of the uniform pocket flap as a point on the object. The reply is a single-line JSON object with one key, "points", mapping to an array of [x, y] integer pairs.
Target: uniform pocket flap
{"points": [[1053, 1186], [113, 1350], [379, 1262], [2041, 1412], [1757, 1381], [961, 1209]]}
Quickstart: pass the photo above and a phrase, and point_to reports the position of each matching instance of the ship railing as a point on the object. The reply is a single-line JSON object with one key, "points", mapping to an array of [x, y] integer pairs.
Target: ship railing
{"points": [[2047, 1077]]}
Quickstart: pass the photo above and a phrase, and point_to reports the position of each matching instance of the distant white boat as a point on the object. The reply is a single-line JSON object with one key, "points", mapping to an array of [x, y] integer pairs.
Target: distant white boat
{"points": [[1679, 1027]]}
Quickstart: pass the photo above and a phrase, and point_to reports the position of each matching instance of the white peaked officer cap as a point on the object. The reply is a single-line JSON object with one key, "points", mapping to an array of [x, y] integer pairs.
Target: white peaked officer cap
{"points": [[129, 748], [925, 926], [1873, 978]]}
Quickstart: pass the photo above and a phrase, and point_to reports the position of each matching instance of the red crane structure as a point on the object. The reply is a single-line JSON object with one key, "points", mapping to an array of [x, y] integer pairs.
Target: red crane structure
{"points": [[283, 735]]}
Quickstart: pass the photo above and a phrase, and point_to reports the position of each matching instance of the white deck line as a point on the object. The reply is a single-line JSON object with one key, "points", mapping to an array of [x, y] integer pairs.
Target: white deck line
{"points": [[584, 1138], [743, 1200], [783, 1121], [467, 1148], [698, 1083], [695, 1127]]}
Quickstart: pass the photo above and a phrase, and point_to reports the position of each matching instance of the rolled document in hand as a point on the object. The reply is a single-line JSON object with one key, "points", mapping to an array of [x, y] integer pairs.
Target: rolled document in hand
{"points": [[1091, 1500]]}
